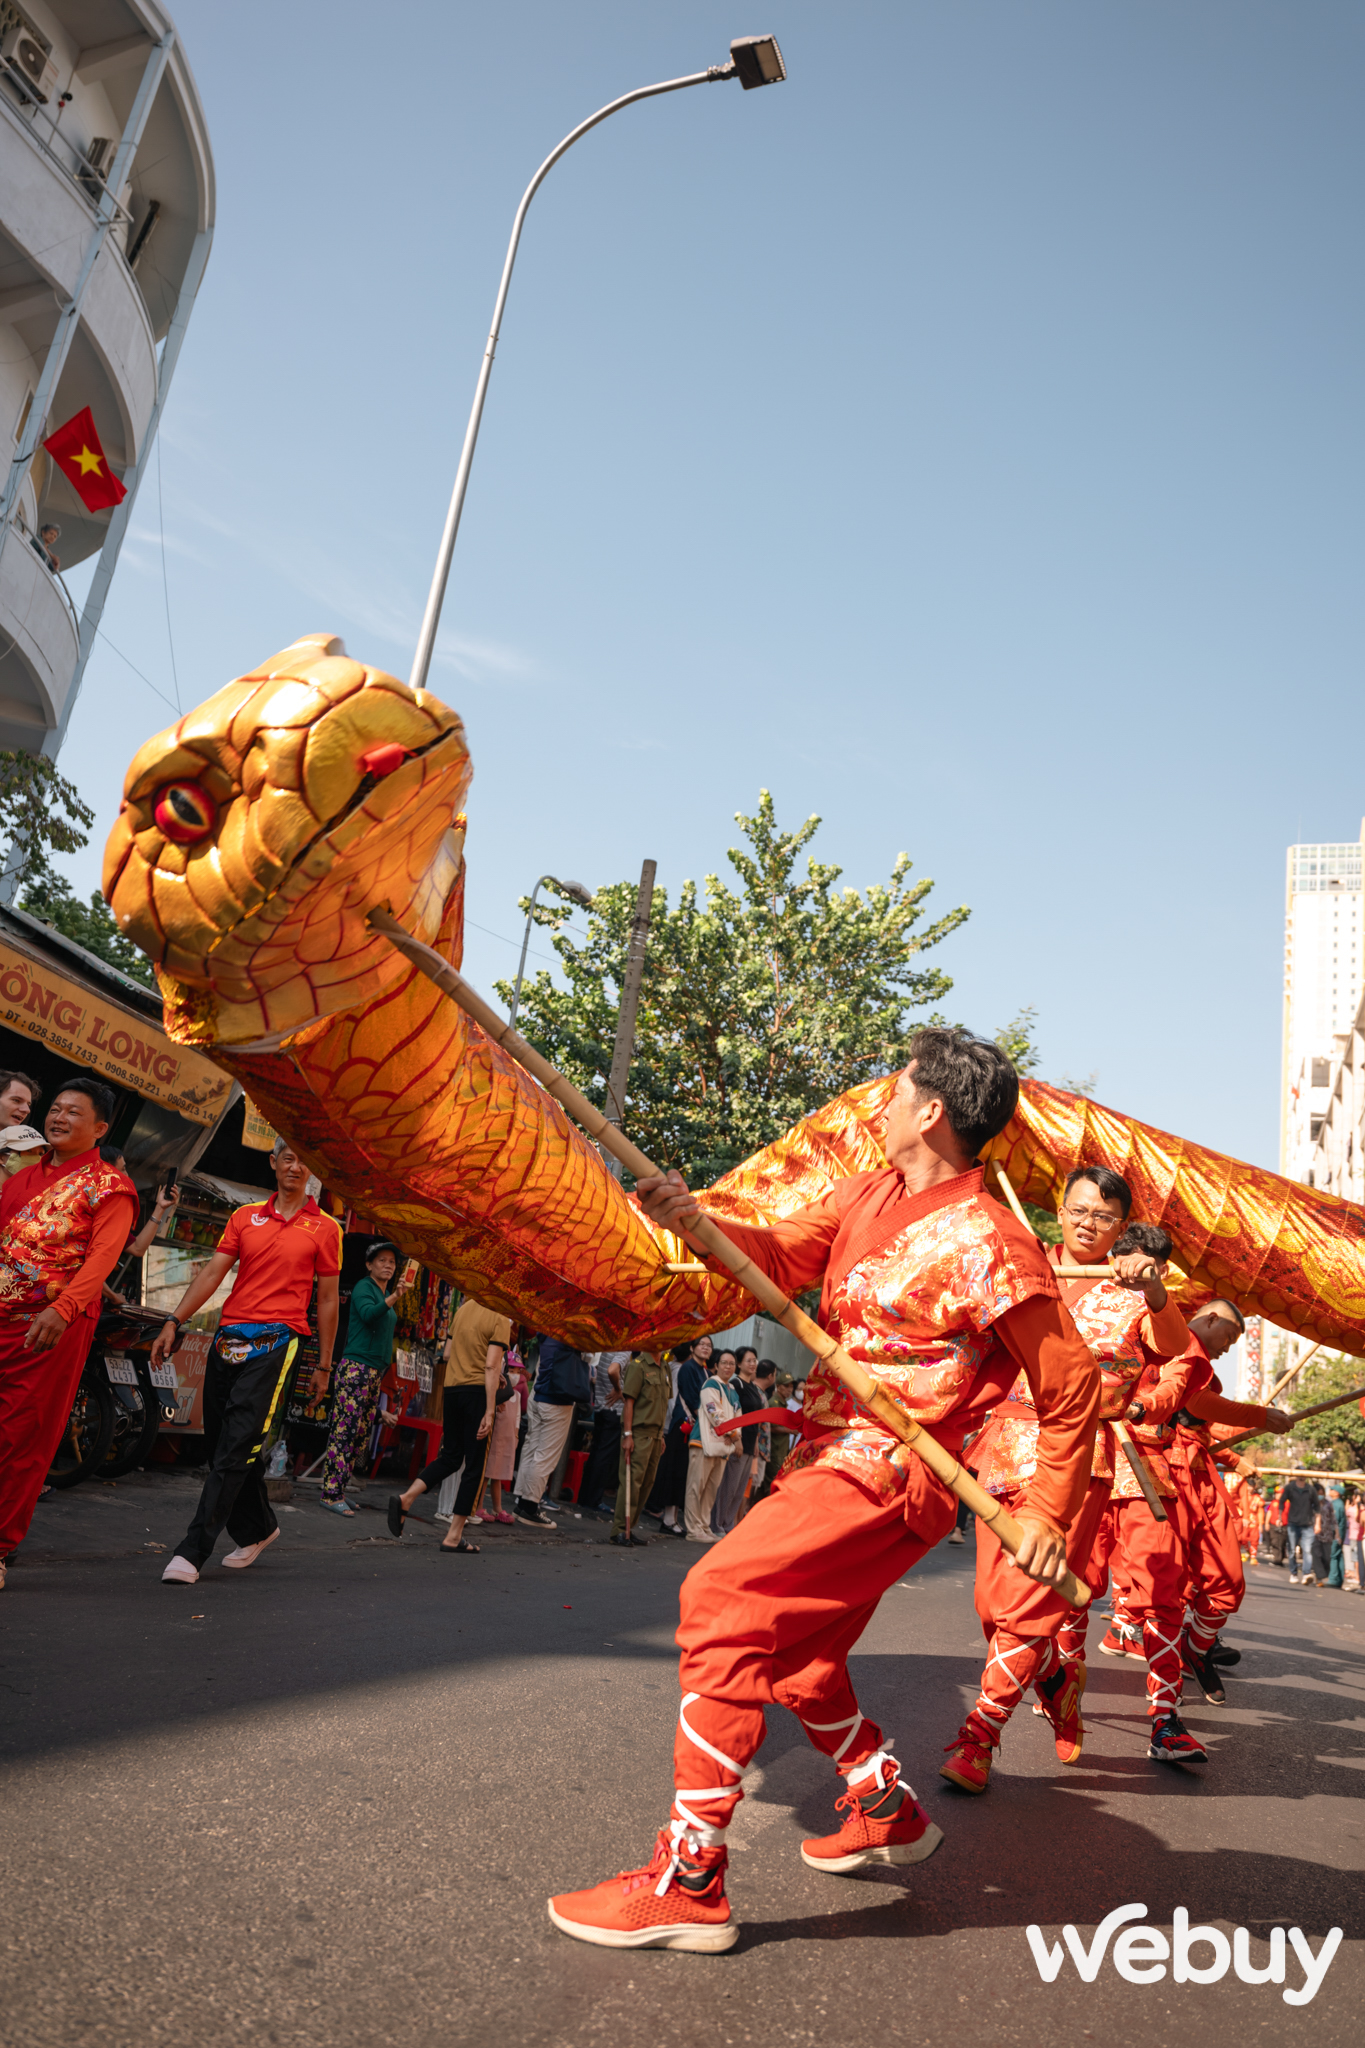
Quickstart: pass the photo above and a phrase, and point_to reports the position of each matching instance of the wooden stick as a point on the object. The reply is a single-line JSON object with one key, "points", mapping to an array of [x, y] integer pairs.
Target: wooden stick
{"points": [[1140, 1469], [854, 1376], [1323, 1408], [1096, 1273], [1292, 1374], [695, 1267]]}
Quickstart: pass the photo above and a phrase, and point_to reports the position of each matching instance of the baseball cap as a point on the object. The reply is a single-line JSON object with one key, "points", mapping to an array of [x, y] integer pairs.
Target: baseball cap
{"points": [[21, 1138]]}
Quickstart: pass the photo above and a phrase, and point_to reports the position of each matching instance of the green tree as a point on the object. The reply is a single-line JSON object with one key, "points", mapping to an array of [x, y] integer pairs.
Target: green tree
{"points": [[1335, 1442], [759, 1002], [52, 898], [41, 813]]}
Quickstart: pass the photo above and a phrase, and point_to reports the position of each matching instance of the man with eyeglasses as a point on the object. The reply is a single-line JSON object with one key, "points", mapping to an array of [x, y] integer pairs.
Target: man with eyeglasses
{"points": [[1131, 1327]]}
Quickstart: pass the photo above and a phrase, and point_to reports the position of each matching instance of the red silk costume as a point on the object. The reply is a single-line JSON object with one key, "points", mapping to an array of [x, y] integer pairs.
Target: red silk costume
{"points": [[945, 1300], [1215, 1581], [63, 1226], [1029, 1628]]}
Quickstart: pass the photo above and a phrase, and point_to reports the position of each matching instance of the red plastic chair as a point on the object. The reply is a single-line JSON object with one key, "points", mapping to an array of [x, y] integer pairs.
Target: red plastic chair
{"points": [[573, 1475]]}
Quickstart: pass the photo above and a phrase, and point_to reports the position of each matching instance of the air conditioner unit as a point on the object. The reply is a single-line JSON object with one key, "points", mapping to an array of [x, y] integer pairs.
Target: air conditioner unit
{"points": [[99, 156], [27, 56]]}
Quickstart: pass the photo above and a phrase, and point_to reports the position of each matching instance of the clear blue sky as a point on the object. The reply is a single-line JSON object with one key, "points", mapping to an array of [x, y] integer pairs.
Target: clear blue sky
{"points": [[962, 440]]}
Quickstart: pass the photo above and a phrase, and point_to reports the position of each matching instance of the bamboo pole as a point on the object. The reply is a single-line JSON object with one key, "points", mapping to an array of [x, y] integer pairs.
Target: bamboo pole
{"points": [[1138, 1464], [854, 1376], [1292, 1374], [1322, 1408]]}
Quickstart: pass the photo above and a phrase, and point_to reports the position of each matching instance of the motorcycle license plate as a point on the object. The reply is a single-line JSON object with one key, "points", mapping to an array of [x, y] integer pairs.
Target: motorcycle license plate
{"points": [[164, 1376], [120, 1369]]}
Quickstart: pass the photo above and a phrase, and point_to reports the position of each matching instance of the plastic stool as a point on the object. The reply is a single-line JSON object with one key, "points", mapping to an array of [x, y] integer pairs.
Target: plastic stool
{"points": [[573, 1475]]}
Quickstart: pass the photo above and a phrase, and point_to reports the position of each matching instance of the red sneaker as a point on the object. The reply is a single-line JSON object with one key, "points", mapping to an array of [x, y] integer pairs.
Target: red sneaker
{"points": [[1121, 1639], [1172, 1743], [1061, 1702], [970, 1756], [677, 1901], [886, 1824]]}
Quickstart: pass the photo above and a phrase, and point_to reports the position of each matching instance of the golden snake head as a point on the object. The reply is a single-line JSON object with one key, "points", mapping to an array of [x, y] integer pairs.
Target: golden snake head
{"points": [[257, 834]]}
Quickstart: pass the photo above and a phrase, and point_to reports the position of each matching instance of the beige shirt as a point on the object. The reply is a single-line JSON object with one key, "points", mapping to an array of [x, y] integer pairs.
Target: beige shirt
{"points": [[472, 1329]]}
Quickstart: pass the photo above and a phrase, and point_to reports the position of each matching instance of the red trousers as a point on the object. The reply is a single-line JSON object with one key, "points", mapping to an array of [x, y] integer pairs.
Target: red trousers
{"points": [[1215, 1582], [37, 1389], [1148, 1560], [772, 1613], [1030, 1627]]}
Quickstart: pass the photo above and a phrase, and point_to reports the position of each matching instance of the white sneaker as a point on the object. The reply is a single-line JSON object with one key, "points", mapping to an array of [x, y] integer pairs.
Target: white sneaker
{"points": [[179, 1572], [1293, 1578], [238, 1560]]}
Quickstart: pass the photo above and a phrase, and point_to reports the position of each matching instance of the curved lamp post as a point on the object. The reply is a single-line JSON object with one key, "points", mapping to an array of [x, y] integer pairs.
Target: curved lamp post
{"points": [[754, 60], [579, 895]]}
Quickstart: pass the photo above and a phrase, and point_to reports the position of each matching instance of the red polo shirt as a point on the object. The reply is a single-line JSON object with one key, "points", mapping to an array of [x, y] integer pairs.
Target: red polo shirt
{"points": [[277, 1260]]}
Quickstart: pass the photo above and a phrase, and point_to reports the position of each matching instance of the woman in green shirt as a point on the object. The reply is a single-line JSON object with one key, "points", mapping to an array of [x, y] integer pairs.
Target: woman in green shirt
{"points": [[355, 1382]]}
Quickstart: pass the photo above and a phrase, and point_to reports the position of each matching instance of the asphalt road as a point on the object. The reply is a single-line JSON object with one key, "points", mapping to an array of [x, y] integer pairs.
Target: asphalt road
{"points": [[323, 1802]]}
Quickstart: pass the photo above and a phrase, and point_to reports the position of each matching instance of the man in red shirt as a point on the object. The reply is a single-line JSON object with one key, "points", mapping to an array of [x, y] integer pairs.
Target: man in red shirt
{"points": [[944, 1299], [279, 1248], [63, 1225], [1129, 1323], [1215, 1583]]}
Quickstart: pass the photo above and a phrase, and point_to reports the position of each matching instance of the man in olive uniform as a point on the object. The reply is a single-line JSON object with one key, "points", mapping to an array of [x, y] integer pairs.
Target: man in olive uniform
{"points": [[647, 1385]]}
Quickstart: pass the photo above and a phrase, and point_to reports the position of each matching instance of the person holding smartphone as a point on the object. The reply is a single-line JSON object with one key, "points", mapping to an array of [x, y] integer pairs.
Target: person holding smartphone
{"points": [[167, 1199]]}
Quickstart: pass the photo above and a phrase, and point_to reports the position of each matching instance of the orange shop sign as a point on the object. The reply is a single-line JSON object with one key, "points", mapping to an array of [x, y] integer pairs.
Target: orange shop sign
{"points": [[43, 1004]]}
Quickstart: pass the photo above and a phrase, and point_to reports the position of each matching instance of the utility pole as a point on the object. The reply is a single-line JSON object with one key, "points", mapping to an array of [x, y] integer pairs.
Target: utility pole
{"points": [[630, 1003]]}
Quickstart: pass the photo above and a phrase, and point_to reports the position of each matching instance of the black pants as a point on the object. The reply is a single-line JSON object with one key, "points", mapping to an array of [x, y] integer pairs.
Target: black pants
{"points": [[599, 1474], [670, 1481], [240, 1404], [462, 1410]]}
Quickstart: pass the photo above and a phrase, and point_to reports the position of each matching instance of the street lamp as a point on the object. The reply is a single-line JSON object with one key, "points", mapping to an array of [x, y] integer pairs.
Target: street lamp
{"points": [[579, 895], [754, 61]]}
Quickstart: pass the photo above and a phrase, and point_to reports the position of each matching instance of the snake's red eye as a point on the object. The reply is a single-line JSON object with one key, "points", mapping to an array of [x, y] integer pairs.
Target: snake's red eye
{"points": [[185, 812]]}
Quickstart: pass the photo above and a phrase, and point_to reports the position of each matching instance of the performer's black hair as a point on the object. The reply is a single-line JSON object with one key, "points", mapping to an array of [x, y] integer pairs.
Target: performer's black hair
{"points": [[972, 1077], [1143, 1237], [1221, 1301], [1112, 1187], [100, 1097]]}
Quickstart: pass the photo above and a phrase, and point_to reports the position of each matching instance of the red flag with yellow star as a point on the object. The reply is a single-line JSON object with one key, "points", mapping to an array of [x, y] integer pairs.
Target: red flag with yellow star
{"points": [[76, 450]]}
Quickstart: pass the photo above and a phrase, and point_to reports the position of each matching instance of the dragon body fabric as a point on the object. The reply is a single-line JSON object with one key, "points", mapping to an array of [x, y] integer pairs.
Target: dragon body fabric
{"points": [[258, 833]]}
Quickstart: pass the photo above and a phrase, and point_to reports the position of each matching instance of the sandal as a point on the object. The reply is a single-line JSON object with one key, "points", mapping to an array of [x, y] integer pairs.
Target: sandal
{"points": [[397, 1515], [449, 1549], [501, 1516], [336, 1507]]}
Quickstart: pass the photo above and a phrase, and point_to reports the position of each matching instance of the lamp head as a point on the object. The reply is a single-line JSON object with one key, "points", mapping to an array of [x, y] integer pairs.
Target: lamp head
{"points": [[757, 61], [578, 893]]}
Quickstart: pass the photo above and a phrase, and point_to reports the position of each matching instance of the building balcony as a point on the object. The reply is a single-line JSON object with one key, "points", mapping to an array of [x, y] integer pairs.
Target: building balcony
{"points": [[40, 634]]}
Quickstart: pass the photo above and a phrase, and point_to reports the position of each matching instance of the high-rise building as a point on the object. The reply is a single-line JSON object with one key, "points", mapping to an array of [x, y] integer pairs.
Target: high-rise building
{"points": [[1324, 974]]}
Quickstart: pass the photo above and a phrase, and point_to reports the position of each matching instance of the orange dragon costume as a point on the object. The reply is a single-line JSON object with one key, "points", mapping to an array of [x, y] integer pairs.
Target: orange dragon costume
{"points": [[255, 837], [63, 1226]]}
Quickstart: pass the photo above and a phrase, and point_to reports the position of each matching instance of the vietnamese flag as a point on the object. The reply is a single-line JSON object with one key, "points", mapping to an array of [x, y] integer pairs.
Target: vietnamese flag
{"points": [[76, 450]]}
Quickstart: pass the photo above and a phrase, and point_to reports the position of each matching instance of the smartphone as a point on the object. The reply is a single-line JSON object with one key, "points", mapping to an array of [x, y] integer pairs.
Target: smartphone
{"points": [[168, 1185]]}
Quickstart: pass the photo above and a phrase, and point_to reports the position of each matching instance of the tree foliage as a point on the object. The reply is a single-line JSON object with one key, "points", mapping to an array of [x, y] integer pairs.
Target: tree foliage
{"points": [[1336, 1441], [41, 813], [760, 1001], [53, 899]]}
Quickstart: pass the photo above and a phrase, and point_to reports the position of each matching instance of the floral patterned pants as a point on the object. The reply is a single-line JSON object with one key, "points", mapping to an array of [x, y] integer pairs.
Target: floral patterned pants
{"points": [[355, 1386]]}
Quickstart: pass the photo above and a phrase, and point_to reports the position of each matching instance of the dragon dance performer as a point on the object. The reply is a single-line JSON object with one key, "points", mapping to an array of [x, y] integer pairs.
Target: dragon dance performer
{"points": [[63, 1225], [1215, 1583], [1035, 1639], [944, 1298]]}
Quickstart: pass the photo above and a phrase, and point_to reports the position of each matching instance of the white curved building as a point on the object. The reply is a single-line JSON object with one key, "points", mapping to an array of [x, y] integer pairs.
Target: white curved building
{"points": [[106, 216]]}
